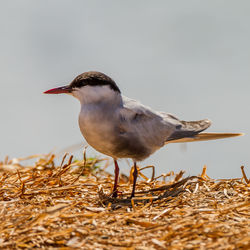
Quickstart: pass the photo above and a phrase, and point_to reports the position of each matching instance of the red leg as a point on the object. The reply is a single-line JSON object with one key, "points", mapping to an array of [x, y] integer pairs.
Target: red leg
{"points": [[135, 174], [114, 193]]}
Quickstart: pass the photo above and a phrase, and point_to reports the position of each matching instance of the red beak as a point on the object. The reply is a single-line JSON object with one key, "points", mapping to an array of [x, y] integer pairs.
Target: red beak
{"points": [[60, 90]]}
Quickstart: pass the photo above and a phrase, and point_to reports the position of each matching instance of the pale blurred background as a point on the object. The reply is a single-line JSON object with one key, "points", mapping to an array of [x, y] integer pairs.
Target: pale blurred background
{"points": [[189, 58]]}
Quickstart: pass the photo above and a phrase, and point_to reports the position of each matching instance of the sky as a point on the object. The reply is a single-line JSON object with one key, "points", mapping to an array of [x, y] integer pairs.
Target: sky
{"points": [[188, 58]]}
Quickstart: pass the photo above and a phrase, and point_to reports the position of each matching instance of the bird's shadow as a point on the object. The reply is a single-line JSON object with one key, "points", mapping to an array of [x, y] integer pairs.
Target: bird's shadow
{"points": [[156, 194]]}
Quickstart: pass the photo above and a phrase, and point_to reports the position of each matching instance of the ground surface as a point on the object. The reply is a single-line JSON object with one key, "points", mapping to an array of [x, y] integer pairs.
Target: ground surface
{"points": [[68, 207]]}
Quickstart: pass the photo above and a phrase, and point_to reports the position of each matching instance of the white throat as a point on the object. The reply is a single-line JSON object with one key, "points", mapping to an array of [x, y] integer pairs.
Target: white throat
{"points": [[96, 94]]}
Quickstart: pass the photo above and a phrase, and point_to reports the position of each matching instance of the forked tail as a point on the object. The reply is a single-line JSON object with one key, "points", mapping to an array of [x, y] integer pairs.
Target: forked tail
{"points": [[205, 137]]}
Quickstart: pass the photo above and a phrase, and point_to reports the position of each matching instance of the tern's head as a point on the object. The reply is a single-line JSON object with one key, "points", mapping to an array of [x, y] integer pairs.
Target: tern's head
{"points": [[88, 87]]}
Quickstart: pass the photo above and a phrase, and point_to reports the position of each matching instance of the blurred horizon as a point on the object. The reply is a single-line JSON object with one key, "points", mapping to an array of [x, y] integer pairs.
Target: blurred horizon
{"points": [[187, 58]]}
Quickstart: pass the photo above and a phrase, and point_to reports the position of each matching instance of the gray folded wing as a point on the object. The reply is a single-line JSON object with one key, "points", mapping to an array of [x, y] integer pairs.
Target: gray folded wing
{"points": [[147, 125], [157, 128]]}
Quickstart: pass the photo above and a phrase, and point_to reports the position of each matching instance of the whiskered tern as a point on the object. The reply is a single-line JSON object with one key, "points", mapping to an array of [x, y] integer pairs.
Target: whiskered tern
{"points": [[120, 127]]}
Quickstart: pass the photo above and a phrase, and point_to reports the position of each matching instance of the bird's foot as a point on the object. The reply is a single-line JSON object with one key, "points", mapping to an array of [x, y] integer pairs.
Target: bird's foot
{"points": [[114, 194]]}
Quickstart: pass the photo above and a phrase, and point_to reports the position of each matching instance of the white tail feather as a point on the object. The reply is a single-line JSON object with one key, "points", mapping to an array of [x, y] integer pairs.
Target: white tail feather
{"points": [[205, 137]]}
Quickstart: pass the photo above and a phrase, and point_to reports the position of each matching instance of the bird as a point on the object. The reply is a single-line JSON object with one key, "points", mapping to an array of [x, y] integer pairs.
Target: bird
{"points": [[120, 127]]}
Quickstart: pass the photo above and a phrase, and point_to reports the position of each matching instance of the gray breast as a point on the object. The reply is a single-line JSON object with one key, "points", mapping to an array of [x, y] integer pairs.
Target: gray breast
{"points": [[97, 129]]}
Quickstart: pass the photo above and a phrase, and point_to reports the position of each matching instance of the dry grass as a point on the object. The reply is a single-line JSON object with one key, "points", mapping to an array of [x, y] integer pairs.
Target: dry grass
{"points": [[68, 207]]}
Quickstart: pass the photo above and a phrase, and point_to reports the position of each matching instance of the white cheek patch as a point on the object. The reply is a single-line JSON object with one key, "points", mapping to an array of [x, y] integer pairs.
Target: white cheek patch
{"points": [[91, 94]]}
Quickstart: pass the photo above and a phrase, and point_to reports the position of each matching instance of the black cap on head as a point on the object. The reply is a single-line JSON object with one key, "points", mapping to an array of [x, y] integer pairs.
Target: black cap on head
{"points": [[93, 78]]}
